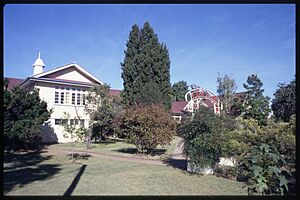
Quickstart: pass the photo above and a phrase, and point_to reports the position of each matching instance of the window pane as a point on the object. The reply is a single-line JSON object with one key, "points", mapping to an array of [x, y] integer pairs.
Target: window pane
{"points": [[56, 96], [64, 121], [62, 95], [73, 98], [57, 121], [78, 99], [82, 122], [76, 121], [71, 121]]}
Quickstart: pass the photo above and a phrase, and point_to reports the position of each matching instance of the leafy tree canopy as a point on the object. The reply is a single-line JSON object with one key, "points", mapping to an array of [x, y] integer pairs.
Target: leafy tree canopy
{"points": [[284, 103], [256, 105], [226, 88], [179, 90], [147, 127]]}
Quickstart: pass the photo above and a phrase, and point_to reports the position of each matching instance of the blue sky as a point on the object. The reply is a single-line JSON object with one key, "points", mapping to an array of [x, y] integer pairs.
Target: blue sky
{"points": [[202, 39]]}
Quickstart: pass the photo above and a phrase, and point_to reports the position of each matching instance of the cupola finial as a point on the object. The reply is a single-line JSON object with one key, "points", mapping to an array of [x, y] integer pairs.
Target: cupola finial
{"points": [[38, 65]]}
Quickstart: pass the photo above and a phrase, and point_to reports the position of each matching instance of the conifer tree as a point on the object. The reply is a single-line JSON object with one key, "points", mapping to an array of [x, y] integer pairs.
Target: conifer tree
{"points": [[146, 64], [256, 105], [130, 66]]}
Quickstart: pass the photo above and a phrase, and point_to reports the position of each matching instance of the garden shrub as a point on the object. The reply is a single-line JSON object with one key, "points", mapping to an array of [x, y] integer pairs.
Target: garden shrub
{"points": [[24, 115], [147, 127], [205, 136], [225, 171], [266, 174], [250, 135]]}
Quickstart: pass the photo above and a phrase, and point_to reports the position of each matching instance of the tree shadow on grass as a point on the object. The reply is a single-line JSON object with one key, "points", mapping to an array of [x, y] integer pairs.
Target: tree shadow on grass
{"points": [[176, 163], [78, 156], [23, 168], [107, 141], [130, 150]]}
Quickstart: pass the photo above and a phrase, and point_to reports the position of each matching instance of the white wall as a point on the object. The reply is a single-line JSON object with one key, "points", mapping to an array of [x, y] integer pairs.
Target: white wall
{"points": [[47, 93]]}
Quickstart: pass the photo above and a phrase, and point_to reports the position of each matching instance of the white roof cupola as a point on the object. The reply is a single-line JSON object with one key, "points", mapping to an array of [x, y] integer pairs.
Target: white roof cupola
{"points": [[38, 66]]}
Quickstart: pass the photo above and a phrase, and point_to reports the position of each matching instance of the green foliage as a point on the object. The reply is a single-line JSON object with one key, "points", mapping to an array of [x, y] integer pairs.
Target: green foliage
{"points": [[96, 95], [151, 94], [264, 164], [226, 89], [249, 133], [284, 103], [256, 105], [146, 64], [205, 136], [103, 121], [237, 107], [147, 127], [76, 133], [101, 108], [24, 115], [279, 136], [225, 171], [179, 90]]}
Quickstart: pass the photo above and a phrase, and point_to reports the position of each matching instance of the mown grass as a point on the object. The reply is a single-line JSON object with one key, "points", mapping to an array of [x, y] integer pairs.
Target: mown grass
{"points": [[44, 174], [119, 147]]}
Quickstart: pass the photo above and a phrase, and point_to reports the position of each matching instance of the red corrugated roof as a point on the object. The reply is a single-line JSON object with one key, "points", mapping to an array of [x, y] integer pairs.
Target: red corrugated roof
{"points": [[178, 106], [13, 82]]}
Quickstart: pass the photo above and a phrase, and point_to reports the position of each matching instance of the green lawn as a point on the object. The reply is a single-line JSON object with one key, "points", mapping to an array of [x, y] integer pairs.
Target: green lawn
{"points": [[118, 147], [47, 174]]}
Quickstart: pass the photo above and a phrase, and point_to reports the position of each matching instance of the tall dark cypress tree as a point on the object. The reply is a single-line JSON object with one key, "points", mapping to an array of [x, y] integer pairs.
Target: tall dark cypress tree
{"points": [[130, 66], [146, 71]]}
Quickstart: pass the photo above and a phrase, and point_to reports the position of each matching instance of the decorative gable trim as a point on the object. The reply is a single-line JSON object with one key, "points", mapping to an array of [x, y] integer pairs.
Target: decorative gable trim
{"points": [[41, 75]]}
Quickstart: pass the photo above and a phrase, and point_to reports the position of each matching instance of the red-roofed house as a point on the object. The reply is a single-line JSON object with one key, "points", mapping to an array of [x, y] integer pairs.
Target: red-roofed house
{"points": [[64, 89]]}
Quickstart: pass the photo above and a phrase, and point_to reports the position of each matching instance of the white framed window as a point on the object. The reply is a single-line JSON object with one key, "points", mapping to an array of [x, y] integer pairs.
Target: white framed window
{"points": [[67, 95]]}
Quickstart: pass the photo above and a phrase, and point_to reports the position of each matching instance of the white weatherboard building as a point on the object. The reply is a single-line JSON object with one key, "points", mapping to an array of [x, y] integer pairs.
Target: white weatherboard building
{"points": [[64, 89]]}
